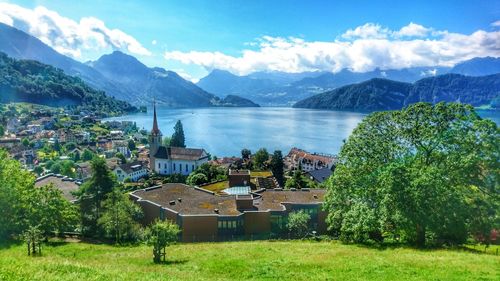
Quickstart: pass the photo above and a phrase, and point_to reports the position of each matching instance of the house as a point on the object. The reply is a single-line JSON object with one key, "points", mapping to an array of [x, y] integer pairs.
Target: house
{"points": [[9, 142], [320, 175], [13, 125], [172, 160], [122, 147], [205, 216], [66, 185], [134, 171], [306, 161]]}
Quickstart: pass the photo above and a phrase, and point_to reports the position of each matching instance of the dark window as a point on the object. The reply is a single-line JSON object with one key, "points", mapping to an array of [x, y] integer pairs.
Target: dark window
{"points": [[186, 167], [174, 166]]}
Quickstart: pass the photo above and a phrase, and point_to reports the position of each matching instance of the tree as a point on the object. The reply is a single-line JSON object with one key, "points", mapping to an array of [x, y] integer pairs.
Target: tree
{"points": [[131, 145], [260, 158], [92, 193], [298, 223], [167, 141], [245, 153], [122, 158], [33, 238], [2, 130], [25, 142], [277, 166], [120, 219], [87, 155], [160, 235], [178, 139], [69, 146], [425, 172], [197, 179], [296, 181]]}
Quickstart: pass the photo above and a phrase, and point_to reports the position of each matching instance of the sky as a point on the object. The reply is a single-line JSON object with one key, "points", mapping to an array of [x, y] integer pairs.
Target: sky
{"points": [[195, 37]]}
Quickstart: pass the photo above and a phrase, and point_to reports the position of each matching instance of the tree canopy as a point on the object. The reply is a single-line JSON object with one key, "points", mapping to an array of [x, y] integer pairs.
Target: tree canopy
{"points": [[425, 174]]}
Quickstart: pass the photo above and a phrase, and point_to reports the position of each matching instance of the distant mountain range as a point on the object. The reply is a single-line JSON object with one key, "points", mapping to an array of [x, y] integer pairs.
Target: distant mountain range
{"points": [[265, 89], [119, 75], [35, 82], [384, 94], [126, 78]]}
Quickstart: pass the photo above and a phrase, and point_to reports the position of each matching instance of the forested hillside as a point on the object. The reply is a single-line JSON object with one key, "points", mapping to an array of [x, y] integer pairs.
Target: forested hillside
{"points": [[35, 82]]}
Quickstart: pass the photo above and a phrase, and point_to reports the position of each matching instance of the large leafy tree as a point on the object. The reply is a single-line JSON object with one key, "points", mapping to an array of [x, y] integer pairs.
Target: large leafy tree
{"points": [[178, 139], [423, 174], [23, 205], [119, 220], [260, 158]]}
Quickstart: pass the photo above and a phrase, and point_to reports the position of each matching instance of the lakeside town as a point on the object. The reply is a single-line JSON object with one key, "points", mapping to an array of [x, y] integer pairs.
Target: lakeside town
{"points": [[58, 146]]}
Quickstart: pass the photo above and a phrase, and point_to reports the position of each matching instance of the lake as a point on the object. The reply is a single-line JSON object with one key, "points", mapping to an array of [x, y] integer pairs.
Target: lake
{"points": [[225, 131]]}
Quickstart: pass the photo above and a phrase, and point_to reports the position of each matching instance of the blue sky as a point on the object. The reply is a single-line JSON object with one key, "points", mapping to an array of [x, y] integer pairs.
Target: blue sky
{"points": [[193, 37]]}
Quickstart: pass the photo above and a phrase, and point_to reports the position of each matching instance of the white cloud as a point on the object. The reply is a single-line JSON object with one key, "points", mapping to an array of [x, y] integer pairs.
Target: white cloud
{"points": [[65, 35], [361, 49], [153, 42], [413, 30], [496, 23]]}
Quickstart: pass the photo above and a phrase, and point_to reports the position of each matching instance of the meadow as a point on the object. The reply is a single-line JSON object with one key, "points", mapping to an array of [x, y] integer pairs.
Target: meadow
{"points": [[252, 260]]}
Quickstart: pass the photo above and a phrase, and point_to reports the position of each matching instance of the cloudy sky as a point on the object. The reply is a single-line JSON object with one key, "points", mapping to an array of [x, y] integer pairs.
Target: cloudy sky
{"points": [[194, 37]]}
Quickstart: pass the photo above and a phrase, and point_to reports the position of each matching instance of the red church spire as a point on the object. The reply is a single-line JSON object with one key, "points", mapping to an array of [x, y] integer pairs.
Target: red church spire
{"points": [[155, 130]]}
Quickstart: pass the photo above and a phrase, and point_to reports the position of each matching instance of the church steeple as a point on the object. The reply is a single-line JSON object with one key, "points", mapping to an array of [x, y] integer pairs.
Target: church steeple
{"points": [[155, 130], [155, 140]]}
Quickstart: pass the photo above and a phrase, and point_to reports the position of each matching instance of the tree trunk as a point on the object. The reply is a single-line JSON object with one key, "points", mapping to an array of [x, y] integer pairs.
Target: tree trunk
{"points": [[420, 236]]}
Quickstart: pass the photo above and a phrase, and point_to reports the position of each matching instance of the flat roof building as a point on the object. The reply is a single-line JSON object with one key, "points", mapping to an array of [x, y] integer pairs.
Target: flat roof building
{"points": [[204, 216]]}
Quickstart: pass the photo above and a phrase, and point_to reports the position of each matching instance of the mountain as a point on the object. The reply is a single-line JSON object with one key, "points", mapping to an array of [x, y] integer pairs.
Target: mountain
{"points": [[20, 45], [119, 75], [225, 83], [478, 67], [280, 88], [35, 82], [383, 94]]}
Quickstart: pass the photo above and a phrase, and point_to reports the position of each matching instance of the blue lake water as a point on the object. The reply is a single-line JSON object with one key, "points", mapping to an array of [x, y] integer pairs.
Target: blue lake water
{"points": [[225, 131]]}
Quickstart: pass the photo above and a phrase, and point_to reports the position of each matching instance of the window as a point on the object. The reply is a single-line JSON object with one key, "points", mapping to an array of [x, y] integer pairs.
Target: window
{"points": [[174, 166], [159, 165], [186, 167], [192, 168], [165, 165]]}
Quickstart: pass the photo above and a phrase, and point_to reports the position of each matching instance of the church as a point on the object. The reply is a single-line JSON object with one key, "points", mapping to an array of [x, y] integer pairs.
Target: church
{"points": [[172, 160]]}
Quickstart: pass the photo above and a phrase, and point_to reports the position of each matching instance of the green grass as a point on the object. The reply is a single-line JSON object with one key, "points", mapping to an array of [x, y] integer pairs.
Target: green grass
{"points": [[260, 174], [216, 187], [261, 260]]}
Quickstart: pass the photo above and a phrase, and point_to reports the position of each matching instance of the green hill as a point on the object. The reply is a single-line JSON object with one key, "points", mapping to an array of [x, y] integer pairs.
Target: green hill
{"points": [[35, 82], [383, 94], [258, 260]]}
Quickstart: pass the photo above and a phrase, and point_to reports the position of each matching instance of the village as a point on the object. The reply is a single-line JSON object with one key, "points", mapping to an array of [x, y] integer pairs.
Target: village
{"points": [[210, 198]]}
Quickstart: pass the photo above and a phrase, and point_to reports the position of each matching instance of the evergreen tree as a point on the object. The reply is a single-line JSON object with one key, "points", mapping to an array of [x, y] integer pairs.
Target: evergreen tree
{"points": [[178, 139], [92, 193], [277, 166]]}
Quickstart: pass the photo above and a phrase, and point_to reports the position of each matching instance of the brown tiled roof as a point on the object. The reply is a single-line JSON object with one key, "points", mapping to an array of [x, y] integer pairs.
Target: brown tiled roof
{"points": [[66, 186], [193, 201], [181, 153], [295, 152], [273, 199]]}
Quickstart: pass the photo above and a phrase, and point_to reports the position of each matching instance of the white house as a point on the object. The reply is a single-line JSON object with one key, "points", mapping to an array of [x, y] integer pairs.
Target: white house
{"points": [[134, 170]]}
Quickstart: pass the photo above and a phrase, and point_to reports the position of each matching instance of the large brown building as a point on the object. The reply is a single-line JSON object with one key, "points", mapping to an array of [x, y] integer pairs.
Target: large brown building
{"points": [[205, 216]]}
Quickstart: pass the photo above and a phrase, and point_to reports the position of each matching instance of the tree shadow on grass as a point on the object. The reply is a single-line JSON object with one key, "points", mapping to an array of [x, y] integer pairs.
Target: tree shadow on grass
{"points": [[172, 262], [4, 245]]}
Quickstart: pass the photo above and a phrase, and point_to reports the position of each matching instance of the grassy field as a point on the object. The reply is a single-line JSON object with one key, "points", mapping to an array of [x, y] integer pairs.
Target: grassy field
{"points": [[262, 260]]}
